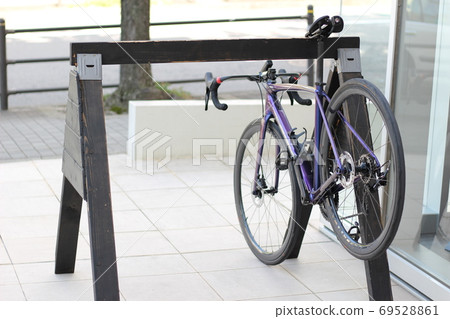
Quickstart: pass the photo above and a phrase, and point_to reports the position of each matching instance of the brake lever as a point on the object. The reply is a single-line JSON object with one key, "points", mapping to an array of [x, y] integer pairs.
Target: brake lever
{"points": [[285, 80], [208, 80], [293, 95], [291, 98], [207, 98]]}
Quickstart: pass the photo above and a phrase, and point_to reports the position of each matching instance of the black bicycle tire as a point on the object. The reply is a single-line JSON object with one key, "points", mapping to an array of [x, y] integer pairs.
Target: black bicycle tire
{"points": [[293, 234], [382, 242]]}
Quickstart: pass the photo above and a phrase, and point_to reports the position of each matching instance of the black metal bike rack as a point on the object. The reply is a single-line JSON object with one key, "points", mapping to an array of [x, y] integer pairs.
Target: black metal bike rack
{"points": [[85, 161]]}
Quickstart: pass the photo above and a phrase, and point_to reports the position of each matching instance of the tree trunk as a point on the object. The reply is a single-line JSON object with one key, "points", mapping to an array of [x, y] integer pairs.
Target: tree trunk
{"points": [[135, 25], [136, 81]]}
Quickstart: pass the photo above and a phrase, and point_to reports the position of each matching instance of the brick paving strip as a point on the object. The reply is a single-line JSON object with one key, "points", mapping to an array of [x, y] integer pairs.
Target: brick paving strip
{"points": [[38, 133]]}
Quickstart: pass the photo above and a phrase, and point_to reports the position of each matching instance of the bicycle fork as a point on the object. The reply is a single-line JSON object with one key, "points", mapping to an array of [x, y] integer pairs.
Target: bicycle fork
{"points": [[271, 111], [259, 183]]}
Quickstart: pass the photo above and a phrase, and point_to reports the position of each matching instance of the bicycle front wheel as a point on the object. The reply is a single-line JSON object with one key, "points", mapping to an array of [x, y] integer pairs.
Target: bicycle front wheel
{"points": [[268, 202], [365, 203]]}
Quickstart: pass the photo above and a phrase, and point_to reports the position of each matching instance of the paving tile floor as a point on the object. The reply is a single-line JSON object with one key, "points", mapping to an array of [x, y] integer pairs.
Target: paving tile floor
{"points": [[177, 238], [38, 132]]}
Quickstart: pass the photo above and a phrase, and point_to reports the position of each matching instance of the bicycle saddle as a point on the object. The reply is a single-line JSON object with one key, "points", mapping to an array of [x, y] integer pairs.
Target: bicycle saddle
{"points": [[324, 26]]}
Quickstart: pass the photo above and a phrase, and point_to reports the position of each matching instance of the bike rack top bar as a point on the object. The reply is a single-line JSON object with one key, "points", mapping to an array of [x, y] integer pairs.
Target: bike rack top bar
{"points": [[130, 52]]}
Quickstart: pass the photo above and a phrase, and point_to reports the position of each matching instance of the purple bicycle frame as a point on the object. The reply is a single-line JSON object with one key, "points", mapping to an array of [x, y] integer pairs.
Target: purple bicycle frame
{"points": [[273, 109]]}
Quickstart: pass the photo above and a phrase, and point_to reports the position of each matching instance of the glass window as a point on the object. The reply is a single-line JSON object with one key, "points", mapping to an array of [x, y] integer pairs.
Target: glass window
{"points": [[370, 21], [422, 111], [422, 10]]}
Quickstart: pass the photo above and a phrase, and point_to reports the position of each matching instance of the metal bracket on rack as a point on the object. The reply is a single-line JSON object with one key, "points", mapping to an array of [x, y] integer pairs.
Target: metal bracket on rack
{"points": [[349, 60], [89, 66]]}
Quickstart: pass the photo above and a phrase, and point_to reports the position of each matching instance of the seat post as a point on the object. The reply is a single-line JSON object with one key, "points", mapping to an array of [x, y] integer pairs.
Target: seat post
{"points": [[319, 67]]}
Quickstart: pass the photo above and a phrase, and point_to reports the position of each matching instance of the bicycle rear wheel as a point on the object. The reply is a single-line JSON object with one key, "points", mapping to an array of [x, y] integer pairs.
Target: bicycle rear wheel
{"points": [[269, 215], [365, 203]]}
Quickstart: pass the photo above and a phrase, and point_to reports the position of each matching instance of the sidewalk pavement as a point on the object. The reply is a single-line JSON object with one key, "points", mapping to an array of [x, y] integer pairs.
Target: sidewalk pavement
{"points": [[177, 236], [38, 132]]}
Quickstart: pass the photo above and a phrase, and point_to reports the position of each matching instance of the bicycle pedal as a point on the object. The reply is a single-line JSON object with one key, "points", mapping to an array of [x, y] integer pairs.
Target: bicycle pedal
{"points": [[281, 163]]}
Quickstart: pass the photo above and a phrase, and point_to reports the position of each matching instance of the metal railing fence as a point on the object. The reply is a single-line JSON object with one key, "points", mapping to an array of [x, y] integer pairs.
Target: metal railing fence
{"points": [[4, 62]]}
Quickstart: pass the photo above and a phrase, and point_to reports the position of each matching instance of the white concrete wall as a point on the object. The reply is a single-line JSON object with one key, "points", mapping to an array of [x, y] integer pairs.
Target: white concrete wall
{"points": [[164, 130]]}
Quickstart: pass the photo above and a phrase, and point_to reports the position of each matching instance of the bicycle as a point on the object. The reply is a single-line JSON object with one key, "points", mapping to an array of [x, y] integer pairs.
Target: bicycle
{"points": [[352, 166]]}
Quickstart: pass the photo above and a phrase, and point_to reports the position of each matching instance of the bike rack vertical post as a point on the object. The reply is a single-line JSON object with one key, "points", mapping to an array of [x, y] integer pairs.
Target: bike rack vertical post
{"points": [[348, 66], [86, 176], [3, 67]]}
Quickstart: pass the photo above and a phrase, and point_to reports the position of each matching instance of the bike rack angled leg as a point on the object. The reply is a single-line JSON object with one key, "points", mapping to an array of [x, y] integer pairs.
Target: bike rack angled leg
{"points": [[98, 191], [68, 228], [73, 188], [86, 176], [303, 223]]}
